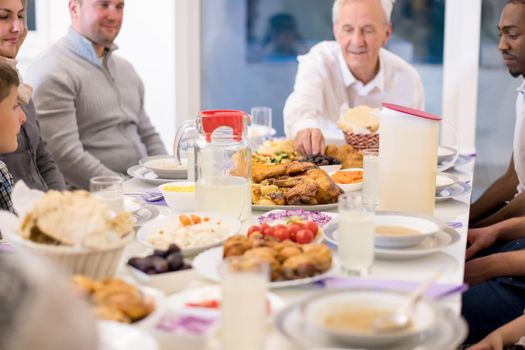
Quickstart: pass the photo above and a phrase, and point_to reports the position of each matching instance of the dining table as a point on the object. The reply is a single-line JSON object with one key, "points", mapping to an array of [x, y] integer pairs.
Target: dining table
{"points": [[449, 259]]}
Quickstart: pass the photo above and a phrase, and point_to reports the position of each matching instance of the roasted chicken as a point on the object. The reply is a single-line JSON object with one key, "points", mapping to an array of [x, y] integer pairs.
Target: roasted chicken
{"points": [[296, 183]]}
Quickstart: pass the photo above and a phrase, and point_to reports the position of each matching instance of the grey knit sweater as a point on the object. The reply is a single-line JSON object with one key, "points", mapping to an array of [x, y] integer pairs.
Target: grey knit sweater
{"points": [[91, 113]]}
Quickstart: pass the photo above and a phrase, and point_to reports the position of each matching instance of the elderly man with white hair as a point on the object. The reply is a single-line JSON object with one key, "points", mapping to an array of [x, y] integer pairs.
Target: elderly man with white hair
{"points": [[354, 70]]}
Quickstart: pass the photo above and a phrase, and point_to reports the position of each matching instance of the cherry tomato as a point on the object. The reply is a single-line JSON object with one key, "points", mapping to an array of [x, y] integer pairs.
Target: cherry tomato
{"points": [[269, 231], [312, 226], [256, 234], [282, 234], [264, 227], [280, 227], [304, 236], [293, 229], [254, 228]]}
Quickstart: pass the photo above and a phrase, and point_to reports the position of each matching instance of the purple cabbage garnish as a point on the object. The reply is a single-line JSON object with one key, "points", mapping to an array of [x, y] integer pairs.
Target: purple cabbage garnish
{"points": [[186, 324], [316, 216]]}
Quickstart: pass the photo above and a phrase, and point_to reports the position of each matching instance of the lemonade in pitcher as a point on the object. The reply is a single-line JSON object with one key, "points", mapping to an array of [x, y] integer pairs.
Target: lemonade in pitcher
{"points": [[222, 162], [228, 195]]}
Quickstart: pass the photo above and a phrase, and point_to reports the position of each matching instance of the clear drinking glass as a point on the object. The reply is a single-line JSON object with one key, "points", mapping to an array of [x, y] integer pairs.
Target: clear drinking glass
{"points": [[109, 190], [371, 177], [243, 307], [261, 124], [355, 234]]}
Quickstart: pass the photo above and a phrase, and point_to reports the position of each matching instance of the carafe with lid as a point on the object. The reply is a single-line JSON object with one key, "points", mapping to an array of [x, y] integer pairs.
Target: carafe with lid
{"points": [[222, 163], [408, 146]]}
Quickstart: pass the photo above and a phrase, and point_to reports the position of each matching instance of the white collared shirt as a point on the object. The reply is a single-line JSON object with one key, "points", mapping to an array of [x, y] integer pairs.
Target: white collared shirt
{"points": [[519, 138], [324, 83]]}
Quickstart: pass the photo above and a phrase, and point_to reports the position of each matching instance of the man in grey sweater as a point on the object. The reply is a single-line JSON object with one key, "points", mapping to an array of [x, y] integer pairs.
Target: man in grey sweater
{"points": [[89, 102]]}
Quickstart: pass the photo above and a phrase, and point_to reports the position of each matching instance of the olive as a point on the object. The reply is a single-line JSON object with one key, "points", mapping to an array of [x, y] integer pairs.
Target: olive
{"points": [[160, 265], [173, 248], [161, 253], [143, 264], [175, 261]]}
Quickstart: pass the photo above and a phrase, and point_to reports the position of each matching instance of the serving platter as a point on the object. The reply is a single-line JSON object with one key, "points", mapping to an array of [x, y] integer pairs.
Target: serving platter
{"points": [[318, 207], [161, 223], [180, 300], [208, 262]]}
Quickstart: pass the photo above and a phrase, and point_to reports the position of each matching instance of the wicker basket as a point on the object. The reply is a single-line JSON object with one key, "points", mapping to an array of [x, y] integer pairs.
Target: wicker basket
{"points": [[362, 141]]}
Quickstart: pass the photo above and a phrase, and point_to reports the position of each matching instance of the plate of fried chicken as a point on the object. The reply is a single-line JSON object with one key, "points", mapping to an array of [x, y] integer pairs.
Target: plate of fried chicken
{"points": [[293, 185], [291, 264]]}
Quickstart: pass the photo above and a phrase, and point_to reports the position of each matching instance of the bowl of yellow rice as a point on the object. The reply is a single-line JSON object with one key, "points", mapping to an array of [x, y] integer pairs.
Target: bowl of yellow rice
{"points": [[180, 196]]}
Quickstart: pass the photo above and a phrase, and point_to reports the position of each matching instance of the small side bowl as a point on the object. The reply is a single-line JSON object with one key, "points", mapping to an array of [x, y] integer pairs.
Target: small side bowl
{"points": [[166, 167], [427, 226], [179, 201], [349, 187], [167, 282], [318, 308]]}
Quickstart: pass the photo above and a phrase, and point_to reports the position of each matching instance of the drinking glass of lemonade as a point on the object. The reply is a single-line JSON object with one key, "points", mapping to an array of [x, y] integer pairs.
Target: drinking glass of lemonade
{"points": [[109, 190], [243, 307], [355, 234], [371, 177]]}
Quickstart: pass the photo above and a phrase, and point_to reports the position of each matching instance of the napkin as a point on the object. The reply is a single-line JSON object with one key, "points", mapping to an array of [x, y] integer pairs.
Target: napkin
{"points": [[154, 191], [435, 291]]}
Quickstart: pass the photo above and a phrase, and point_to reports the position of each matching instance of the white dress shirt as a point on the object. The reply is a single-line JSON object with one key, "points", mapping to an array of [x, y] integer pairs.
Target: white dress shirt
{"points": [[324, 83], [519, 138]]}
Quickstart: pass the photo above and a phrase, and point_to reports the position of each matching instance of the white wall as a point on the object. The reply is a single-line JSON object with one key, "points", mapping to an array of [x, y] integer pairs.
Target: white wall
{"points": [[147, 40]]}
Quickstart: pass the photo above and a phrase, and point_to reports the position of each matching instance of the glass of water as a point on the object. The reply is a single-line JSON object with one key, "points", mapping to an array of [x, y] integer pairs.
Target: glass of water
{"points": [[371, 177], [355, 234], [109, 190], [261, 125]]}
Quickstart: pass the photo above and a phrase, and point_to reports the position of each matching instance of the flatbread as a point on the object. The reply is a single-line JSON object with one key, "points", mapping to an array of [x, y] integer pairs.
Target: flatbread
{"points": [[76, 218], [357, 119]]}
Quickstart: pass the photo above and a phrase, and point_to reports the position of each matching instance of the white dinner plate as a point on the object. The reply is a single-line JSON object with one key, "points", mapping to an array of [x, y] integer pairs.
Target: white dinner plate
{"points": [[430, 245], [318, 207], [180, 300], [460, 161], [208, 262], [445, 153], [449, 333], [152, 227], [144, 174], [457, 189]]}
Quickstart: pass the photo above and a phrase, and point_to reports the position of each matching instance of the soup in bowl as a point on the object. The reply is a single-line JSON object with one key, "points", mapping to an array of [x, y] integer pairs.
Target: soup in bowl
{"points": [[401, 230], [347, 316]]}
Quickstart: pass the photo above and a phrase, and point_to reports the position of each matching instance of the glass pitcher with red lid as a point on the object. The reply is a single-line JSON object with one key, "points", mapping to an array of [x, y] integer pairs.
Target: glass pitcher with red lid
{"points": [[222, 162]]}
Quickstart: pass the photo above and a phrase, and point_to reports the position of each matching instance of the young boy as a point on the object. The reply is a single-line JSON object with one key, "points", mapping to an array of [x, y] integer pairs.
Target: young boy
{"points": [[11, 118]]}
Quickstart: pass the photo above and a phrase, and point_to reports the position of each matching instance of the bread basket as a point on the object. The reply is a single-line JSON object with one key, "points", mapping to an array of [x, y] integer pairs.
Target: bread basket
{"points": [[362, 141]]}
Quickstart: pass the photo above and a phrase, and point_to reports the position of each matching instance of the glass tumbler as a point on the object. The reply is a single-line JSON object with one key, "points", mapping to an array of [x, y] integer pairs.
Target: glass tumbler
{"points": [[355, 234], [109, 190], [244, 285]]}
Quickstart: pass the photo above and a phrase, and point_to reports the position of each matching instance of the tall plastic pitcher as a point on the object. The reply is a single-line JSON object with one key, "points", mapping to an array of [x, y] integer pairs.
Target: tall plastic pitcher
{"points": [[408, 146]]}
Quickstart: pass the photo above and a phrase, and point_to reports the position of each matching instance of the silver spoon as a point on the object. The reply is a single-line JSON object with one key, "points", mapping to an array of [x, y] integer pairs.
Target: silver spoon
{"points": [[148, 197], [402, 317]]}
